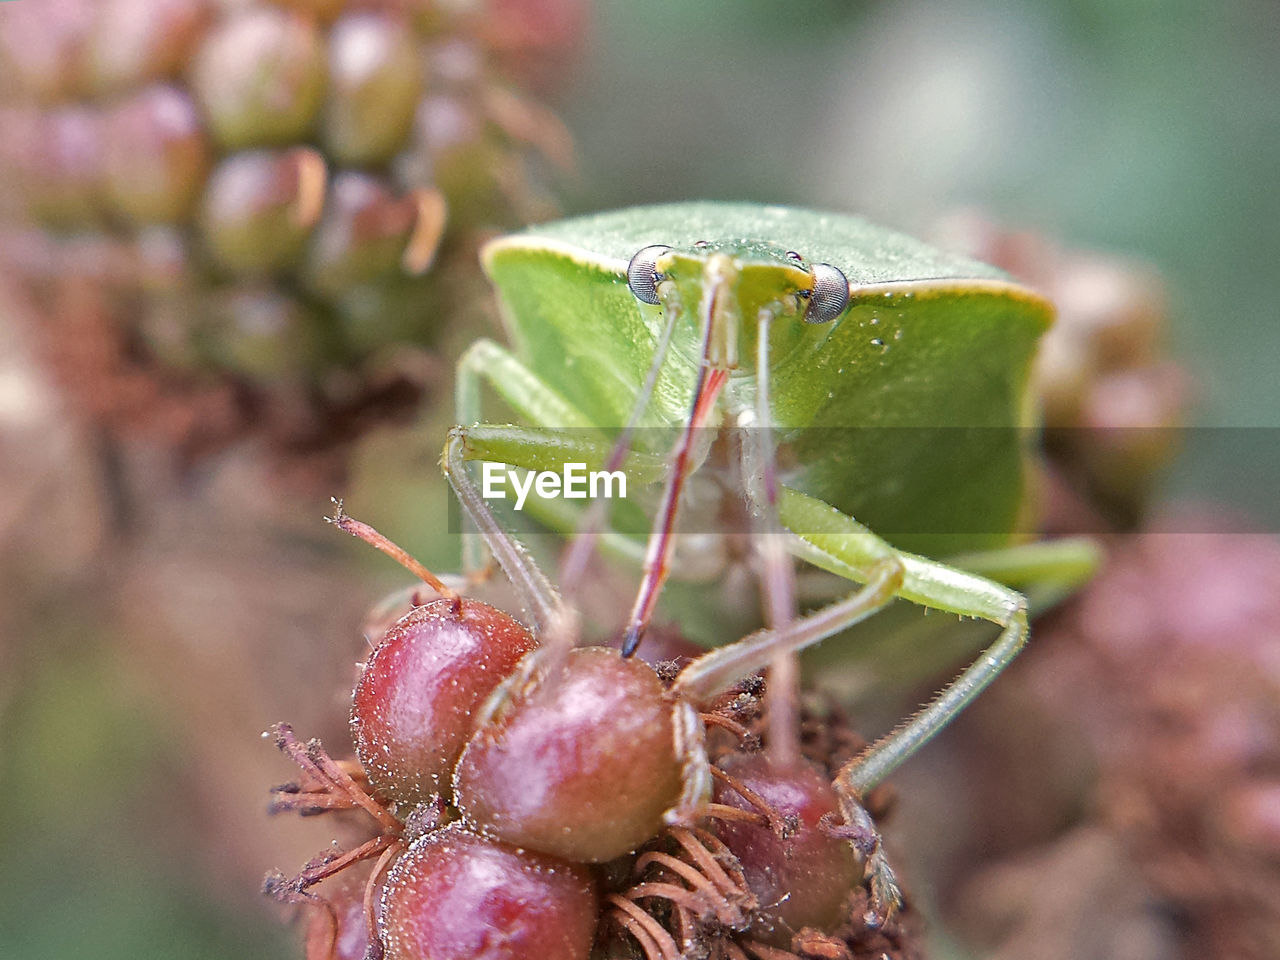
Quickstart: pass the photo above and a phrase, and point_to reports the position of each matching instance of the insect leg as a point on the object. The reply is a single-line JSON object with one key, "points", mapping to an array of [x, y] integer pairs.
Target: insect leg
{"points": [[536, 592], [531, 397], [716, 670], [524, 391], [776, 567], [536, 448], [1047, 571], [831, 540], [840, 544], [546, 448]]}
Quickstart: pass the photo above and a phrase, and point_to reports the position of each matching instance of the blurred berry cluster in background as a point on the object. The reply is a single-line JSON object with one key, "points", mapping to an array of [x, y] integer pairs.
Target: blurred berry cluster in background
{"points": [[238, 258], [233, 210]]}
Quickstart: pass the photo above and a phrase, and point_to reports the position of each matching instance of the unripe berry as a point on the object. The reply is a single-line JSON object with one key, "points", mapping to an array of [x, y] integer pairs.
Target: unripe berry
{"points": [[228, 121], [412, 710], [457, 896], [363, 234], [134, 41], [259, 207], [261, 78], [582, 763], [42, 48], [65, 160], [156, 156], [257, 332], [376, 81]]}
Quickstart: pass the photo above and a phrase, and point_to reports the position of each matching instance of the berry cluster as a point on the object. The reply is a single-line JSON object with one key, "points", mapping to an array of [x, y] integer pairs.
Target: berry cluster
{"points": [[537, 801], [223, 216]]}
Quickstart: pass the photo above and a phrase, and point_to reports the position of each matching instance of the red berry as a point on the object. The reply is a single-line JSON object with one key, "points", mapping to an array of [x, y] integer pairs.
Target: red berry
{"points": [[412, 709], [805, 879], [582, 765], [349, 938], [457, 896]]}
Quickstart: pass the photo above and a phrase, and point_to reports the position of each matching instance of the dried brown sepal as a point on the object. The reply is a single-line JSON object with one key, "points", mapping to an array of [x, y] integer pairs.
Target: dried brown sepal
{"points": [[327, 785]]}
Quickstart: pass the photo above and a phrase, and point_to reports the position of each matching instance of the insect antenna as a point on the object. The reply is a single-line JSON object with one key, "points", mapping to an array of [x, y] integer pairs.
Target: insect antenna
{"points": [[711, 379], [581, 549]]}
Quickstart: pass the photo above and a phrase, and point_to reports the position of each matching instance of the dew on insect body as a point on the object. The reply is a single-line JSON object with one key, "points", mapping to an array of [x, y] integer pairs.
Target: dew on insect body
{"points": [[875, 321], [897, 334]]}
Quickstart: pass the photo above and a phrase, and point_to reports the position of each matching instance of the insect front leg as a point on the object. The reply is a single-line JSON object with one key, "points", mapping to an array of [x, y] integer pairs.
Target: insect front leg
{"points": [[535, 400], [539, 448], [531, 397], [838, 543], [542, 600], [536, 448]]}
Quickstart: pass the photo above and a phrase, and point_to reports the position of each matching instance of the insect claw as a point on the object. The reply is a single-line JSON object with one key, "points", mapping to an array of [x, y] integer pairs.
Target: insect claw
{"points": [[882, 883], [886, 895]]}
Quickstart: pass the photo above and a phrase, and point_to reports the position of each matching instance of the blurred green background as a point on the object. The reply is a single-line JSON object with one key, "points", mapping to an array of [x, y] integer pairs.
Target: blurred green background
{"points": [[1150, 127]]}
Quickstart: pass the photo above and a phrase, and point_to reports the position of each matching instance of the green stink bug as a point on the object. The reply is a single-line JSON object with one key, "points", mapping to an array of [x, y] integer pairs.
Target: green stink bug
{"points": [[865, 362], [926, 343]]}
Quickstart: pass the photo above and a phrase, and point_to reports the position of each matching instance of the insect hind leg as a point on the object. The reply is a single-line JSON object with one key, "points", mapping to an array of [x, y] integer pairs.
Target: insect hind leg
{"points": [[775, 567], [837, 543]]}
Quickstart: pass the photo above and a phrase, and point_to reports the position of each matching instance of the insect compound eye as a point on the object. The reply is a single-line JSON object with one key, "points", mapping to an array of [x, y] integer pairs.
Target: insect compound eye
{"points": [[642, 273], [829, 296]]}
